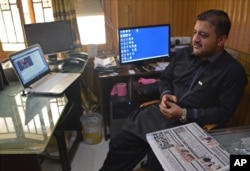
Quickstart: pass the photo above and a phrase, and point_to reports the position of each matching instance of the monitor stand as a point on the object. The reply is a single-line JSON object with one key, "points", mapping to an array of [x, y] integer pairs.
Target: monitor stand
{"points": [[55, 63], [144, 66], [52, 58]]}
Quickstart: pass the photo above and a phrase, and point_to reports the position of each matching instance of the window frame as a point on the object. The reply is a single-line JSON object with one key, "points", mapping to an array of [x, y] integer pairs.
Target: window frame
{"points": [[108, 46]]}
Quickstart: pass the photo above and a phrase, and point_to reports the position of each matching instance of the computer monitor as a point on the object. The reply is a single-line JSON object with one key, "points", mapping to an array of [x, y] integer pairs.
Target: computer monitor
{"points": [[144, 43], [54, 37]]}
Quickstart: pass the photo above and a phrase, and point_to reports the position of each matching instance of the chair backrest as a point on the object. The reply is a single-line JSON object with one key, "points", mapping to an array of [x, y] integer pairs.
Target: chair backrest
{"points": [[241, 117], [235, 54]]}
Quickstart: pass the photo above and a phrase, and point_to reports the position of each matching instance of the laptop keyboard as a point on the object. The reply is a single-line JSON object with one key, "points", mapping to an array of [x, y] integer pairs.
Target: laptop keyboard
{"points": [[61, 81], [148, 88], [46, 85]]}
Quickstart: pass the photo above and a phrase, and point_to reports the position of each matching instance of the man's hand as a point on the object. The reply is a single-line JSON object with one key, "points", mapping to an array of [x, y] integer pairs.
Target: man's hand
{"points": [[169, 108]]}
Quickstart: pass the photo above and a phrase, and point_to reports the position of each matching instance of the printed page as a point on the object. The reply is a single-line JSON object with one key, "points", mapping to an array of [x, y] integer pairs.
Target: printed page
{"points": [[188, 147]]}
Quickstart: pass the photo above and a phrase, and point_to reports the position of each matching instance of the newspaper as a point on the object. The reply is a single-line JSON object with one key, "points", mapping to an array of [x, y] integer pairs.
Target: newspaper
{"points": [[188, 147]]}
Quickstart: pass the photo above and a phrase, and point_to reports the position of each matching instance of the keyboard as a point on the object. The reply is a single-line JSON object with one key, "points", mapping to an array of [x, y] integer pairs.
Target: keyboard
{"points": [[148, 88]]}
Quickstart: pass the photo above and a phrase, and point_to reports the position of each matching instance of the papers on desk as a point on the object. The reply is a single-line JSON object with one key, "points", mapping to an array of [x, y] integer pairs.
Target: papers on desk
{"points": [[188, 147], [105, 62], [158, 66], [106, 65]]}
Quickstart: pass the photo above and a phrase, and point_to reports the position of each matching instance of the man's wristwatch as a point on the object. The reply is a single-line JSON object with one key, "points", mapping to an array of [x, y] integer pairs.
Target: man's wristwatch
{"points": [[183, 118]]}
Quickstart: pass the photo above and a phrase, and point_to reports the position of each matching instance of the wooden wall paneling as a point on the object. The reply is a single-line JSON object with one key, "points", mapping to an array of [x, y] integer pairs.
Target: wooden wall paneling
{"points": [[176, 22], [239, 36], [229, 6], [161, 11], [241, 24], [232, 14], [201, 6], [123, 12], [236, 22], [217, 4], [132, 12], [244, 26], [111, 25], [183, 17], [247, 29], [188, 18], [111, 22], [141, 13]]}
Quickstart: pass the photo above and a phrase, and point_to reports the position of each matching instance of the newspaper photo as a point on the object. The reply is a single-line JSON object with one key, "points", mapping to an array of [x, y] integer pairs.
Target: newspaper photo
{"points": [[187, 148]]}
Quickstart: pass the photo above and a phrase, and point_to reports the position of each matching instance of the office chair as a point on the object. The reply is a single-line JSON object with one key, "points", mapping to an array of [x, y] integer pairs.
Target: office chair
{"points": [[241, 117]]}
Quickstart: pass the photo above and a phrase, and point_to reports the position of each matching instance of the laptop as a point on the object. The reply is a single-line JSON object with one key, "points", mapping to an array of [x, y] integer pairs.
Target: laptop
{"points": [[34, 73]]}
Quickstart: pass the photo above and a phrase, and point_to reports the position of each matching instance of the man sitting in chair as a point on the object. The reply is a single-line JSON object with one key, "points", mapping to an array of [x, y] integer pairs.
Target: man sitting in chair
{"points": [[202, 84]]}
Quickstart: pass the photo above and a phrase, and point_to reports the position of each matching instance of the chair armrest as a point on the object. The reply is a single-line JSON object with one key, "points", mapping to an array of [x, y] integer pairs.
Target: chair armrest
{"points": [[207, 127], [149, 103]]}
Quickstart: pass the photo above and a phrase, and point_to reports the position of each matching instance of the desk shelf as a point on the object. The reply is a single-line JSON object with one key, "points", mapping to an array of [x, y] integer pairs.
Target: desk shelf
{"points": [[105, 85]]}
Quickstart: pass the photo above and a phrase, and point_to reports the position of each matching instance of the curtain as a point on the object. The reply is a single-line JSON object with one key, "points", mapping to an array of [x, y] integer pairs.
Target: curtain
{"points": [[65, 10]]}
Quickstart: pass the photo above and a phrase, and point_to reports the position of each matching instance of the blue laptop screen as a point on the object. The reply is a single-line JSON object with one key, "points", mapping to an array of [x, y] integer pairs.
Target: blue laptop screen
{"points": [[29, 64]]}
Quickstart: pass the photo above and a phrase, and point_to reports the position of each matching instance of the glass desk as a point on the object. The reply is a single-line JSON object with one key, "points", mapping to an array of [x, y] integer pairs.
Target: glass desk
{"points": [[229, 137], [27, 122], [29, 134]]}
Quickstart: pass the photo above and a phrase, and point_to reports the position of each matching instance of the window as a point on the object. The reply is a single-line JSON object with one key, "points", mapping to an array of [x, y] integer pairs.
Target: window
{"points": [[10, 26], [13, 15], [90, 19]]}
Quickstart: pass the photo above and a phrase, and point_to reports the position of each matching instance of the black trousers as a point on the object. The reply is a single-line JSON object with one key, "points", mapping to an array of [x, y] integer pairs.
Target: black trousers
{"points": [[126, 150], [130, 146]]}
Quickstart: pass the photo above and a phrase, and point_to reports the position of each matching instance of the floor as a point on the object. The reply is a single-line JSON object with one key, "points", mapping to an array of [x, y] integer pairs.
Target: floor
{"points": [[87, 158]]}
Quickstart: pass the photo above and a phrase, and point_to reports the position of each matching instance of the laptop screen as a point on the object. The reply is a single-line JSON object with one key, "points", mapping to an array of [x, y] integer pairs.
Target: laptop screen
{"points": [[29, 64]]}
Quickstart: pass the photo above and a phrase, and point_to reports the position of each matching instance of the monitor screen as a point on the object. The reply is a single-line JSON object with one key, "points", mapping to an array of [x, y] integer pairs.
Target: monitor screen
{"points": [[144, 43], [53, 37]]}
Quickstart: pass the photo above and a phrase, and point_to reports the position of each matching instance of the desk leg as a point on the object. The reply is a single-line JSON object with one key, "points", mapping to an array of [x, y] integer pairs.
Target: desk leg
{"points": [[62, 148]]}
